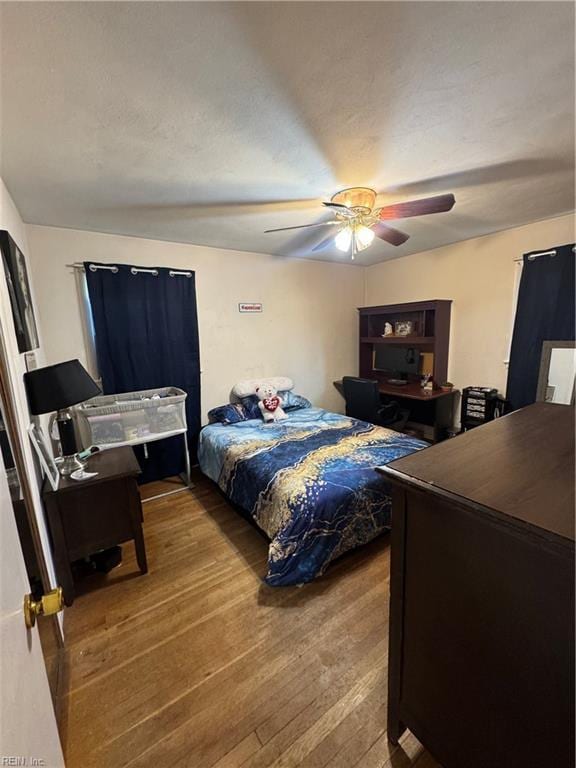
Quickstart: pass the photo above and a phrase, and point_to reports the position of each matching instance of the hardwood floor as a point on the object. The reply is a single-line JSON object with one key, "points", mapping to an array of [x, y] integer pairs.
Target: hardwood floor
{"points": [[199, 664]]}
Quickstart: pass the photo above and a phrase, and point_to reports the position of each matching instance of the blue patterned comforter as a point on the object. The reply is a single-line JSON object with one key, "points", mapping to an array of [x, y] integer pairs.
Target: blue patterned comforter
{"points": [[308, 482]]}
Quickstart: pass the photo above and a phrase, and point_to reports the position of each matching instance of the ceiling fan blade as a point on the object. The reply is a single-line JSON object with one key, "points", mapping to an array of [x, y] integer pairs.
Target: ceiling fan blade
{"points": [[324, 243], [389, 234], [437, 204], [496, 173], [180, 211], [339, 208], [303, 226]]}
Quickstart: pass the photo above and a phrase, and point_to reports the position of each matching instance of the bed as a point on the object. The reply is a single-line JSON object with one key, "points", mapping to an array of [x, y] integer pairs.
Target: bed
{"points": [[307, 482]]}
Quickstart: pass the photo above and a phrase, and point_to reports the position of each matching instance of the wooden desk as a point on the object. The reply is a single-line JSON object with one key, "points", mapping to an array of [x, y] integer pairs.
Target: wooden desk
{"points": [[89, 515], [429, 407], [482, 594]]}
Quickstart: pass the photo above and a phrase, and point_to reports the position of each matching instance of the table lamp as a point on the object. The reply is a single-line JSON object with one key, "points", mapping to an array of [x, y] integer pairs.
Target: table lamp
{"points": [[57, 388]]}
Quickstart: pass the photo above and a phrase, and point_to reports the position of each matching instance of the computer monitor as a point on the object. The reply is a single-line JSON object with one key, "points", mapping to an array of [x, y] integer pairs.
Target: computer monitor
{"points": [[399, 361]]}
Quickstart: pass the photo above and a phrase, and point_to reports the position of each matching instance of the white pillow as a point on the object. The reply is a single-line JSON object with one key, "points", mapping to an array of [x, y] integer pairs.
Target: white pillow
{"points": [[248, 387]]}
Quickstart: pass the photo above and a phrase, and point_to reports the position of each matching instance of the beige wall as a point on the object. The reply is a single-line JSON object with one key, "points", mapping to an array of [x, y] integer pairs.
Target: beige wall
{"points": [[480, 277], [11, 221], [308, 329]]}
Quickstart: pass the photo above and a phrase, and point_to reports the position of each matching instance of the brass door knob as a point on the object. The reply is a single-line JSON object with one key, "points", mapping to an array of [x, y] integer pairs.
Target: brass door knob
{"points": [[46, 606]]}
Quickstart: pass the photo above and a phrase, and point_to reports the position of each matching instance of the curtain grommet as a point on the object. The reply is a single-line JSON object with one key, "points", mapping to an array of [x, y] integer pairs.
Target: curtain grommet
{"points": [[95, 268], [135, 271]]}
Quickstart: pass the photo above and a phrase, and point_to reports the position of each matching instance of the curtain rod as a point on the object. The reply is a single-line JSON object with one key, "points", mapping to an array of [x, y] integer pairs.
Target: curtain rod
{"points": [[533, 256], [134, 270]]}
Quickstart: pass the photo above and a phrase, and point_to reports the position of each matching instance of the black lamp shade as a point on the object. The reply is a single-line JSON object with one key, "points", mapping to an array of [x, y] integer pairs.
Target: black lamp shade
{"points": [[59, 386]]}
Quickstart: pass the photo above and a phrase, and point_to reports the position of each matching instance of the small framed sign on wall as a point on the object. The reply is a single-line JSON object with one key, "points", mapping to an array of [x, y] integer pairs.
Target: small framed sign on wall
{"points": [[249, 306]]}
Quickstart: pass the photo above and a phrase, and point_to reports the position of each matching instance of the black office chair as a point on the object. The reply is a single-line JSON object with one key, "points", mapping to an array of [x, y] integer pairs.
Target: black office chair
{"points": [[363, 402]]}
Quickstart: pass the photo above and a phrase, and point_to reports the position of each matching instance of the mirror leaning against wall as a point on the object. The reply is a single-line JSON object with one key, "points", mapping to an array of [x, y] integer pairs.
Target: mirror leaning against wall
{"points": [[557, 377]]}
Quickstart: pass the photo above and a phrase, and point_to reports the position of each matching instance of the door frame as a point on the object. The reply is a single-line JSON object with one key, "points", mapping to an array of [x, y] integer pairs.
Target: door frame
{"points": [[51, 623]]}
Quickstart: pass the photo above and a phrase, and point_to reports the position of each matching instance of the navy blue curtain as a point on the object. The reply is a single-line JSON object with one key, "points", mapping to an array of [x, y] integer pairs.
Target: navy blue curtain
{"points": [[545, 312], [146, 331]]}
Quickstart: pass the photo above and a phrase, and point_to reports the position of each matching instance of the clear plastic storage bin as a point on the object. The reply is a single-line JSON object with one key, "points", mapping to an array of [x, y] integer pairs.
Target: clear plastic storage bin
{"points": [[132, 417]]}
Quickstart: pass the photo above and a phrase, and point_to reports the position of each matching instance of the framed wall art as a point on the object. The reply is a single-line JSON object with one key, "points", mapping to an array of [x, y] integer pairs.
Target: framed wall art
{"points": [[16, 275]]}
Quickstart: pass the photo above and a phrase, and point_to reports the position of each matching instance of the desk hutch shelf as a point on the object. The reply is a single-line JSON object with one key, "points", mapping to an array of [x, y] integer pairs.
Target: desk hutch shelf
{"points": [[431, 333]]}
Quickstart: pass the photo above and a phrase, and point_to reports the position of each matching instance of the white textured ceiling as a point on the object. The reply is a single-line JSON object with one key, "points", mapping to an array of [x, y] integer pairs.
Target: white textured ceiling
{"points": [[204, 122]]}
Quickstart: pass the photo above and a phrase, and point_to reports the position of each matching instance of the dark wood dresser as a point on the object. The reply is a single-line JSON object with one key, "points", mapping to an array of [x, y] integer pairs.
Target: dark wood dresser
{"points": [[481, 665]]}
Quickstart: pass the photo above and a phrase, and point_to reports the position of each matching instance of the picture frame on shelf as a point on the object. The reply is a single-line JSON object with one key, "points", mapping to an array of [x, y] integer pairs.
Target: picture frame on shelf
{"points": [[404, 328]]}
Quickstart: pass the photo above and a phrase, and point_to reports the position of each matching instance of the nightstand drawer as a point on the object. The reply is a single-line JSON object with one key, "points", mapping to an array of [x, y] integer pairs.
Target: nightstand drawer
{"points": [[102, 522]]}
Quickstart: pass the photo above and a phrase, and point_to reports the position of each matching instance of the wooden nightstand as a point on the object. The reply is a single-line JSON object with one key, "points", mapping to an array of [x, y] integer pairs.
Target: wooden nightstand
{"points": [[89, 515]]}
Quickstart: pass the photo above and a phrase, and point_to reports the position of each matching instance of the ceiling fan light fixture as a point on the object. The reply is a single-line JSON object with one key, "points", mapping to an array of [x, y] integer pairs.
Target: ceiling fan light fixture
{"points": [[364, 237], [359, 222], [343, 239]]}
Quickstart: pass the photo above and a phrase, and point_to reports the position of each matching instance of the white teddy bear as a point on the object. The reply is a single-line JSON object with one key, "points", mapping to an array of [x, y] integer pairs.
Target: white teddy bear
{"points": [[270, 404]]}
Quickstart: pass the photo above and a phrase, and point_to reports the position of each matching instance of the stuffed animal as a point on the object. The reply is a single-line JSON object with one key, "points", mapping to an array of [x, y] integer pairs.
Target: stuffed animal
{"points": [[270, 404]]}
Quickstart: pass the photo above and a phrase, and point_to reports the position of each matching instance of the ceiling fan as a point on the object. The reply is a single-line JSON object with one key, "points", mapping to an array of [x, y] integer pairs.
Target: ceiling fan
{"points": [[359, 222]]}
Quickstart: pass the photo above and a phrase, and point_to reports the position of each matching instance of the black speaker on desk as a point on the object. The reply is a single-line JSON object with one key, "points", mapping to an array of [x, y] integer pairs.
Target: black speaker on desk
{"points": [[479, 406]]}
